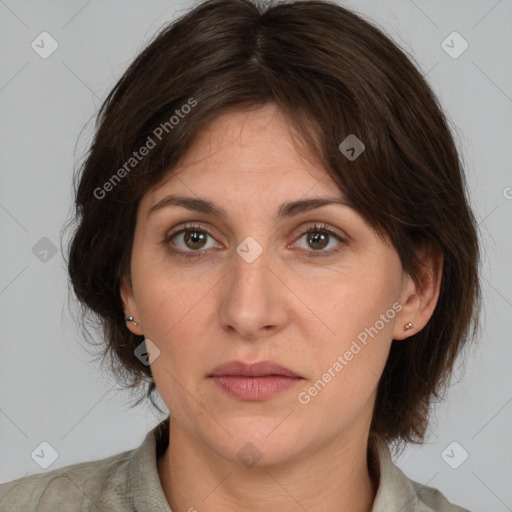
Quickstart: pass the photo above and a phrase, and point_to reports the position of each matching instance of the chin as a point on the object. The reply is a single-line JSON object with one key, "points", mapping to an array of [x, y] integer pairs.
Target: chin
{"points": [[258, 443]]}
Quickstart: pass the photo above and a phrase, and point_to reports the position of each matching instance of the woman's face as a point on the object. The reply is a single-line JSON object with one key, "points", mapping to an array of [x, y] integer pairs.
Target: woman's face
{"points": [[261, 282]]}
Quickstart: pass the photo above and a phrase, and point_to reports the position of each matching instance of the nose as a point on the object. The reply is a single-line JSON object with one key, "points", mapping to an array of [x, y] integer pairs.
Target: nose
{"points": [[254, 300]]}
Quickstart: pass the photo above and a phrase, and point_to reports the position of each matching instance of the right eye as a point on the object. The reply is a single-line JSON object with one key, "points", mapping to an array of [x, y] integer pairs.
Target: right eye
{"points": [[190, 240]]}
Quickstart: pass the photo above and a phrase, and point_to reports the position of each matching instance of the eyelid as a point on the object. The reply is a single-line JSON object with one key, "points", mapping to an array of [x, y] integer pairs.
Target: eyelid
{"points": [[189, 225], [322, 226], [300, 232], [311, 225], [325, 228]]}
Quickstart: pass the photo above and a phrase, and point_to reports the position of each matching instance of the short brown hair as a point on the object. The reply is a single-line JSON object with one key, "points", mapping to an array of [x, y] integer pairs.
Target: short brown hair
{"points": [[332, 74]]}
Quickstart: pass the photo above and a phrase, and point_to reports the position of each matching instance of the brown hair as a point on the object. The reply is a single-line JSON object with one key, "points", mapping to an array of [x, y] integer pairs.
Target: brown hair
{"points": [[332, 74]]}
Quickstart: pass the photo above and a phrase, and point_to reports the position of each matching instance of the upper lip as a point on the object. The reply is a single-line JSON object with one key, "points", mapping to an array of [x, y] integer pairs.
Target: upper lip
{"points": [[259, 369]]}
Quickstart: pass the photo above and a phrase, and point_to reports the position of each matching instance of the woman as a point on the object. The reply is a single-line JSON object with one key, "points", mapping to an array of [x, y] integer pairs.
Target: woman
{"points": [[273, 228]]}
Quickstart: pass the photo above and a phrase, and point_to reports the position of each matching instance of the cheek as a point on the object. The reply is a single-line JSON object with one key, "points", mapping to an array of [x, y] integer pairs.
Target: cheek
{"points": [[356, 310], [165, 295], [347, 366], [172, 313], [350, 300]]}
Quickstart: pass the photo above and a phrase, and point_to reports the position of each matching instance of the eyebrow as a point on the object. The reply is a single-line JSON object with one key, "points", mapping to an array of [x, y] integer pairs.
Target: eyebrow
{"points": [[285, 210]]}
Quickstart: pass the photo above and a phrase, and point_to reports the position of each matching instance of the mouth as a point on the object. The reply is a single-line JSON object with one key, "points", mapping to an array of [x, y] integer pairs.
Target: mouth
{"points": [[254, 382], [260, 369]]}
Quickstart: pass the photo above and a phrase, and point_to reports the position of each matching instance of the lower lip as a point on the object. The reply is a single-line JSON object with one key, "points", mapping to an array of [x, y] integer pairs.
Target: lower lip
{"points": [[254, 388]]}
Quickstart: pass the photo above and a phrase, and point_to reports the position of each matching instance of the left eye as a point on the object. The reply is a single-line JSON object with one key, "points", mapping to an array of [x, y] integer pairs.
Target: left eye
{"points": [[319, 238]]}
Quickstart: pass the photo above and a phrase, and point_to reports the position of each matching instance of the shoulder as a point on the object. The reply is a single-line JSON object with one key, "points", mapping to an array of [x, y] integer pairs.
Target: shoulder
{"points": [[431, 499], [396, 491], [99, 482]]}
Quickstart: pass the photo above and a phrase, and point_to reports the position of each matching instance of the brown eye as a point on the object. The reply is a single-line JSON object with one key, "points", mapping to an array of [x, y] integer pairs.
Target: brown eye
{"points": [[318, 240], [190, 242], [195, 239]]}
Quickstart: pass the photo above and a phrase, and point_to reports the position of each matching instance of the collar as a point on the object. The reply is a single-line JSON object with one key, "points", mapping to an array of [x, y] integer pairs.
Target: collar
{"points": [[146, 490], [395, 492]]}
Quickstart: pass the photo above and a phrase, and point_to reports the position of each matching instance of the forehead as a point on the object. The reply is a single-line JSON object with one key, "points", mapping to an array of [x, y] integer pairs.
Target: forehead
{"points": [[242, 154]]}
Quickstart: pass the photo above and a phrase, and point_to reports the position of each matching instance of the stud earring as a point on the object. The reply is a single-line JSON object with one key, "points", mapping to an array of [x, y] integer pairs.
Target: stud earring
{"points": [[408, 325], [130, 319]]}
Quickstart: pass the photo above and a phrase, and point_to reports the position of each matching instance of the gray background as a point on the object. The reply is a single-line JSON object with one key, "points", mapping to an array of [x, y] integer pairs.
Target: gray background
{"points": [[52, 391]]}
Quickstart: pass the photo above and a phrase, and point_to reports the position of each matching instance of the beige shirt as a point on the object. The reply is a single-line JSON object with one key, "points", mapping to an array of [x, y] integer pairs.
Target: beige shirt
{"points": [[129, 482]]}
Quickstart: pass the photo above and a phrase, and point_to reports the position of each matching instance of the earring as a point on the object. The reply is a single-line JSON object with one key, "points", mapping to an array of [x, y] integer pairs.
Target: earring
{"points": [[130, 319], [408, 325]]}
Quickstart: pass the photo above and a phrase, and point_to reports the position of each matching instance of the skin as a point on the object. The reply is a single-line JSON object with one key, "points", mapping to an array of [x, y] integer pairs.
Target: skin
{"points": [[287, 306]]}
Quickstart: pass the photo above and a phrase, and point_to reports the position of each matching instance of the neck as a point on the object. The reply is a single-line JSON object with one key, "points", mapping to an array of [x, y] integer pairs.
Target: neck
{"points": [[333, 478]]}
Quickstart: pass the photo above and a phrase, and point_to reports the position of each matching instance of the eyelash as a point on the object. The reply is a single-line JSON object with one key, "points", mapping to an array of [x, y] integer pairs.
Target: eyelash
{"points": [[201, 253]]}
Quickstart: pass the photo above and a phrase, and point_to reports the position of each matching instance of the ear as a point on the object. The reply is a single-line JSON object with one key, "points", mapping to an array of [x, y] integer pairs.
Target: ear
{"points": [[419, 300], [130, 306]]}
